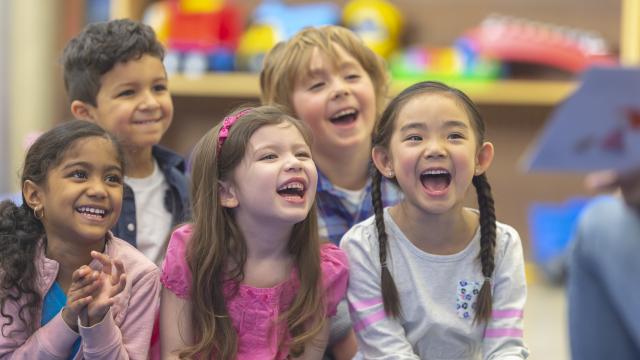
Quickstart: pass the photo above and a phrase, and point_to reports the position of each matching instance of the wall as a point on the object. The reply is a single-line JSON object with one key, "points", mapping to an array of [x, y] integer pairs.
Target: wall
{"points": [[5, 99], [32, 56]]}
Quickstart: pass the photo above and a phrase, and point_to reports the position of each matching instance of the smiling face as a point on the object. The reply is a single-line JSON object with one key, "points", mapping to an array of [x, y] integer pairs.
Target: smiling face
{"points": [[82, 196], [276, 181], [433, 153], [133, 103], [337, 100]]}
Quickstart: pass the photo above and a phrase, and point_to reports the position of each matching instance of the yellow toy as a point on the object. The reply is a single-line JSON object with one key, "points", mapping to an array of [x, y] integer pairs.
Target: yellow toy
{"points": [[200, 6], [377, 22], [256, 41]]}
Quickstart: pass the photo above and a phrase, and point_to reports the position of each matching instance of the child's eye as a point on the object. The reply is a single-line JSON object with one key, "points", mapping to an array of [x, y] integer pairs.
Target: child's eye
{"points": [[455, 136], [353, 76], [316, 86], [126, 93], [269, 157], [159, 87], [78, 174], [303, 154], [413, 138], [116, 179]]}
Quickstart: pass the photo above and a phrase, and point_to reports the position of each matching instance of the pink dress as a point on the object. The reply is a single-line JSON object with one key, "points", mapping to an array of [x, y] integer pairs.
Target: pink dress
{"points": [[254, 310]]}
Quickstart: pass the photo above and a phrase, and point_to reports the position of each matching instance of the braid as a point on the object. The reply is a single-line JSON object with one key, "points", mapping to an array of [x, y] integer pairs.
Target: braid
{"points": [[390, 297], [487, 245]]}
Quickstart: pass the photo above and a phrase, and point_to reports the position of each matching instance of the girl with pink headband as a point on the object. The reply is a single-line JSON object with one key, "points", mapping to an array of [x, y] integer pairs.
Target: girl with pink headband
{"points": [[249, 278]]}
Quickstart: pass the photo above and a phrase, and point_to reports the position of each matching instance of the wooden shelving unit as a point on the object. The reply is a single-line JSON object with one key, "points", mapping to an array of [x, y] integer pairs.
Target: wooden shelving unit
{"points": [[510, 92]]}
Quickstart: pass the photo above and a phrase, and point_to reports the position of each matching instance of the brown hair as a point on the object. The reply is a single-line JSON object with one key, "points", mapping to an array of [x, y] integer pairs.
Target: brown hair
{"points": [[98, 48], [289, 60], [217, 251], [381, 137]]}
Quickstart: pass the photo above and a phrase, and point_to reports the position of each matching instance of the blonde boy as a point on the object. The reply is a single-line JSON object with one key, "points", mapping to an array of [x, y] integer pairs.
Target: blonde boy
{"points": [[330, 79]]}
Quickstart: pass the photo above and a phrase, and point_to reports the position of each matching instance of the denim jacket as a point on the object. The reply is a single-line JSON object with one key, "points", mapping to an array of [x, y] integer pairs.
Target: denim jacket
{"points": [[176, 199]]}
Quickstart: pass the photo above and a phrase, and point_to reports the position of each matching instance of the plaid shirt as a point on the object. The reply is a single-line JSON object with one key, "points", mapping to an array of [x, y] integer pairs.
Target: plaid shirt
{"points": [[334, 219]]}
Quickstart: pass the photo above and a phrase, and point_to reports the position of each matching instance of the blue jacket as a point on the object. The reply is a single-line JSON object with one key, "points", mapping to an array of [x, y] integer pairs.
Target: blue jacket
{"points": [[176, 199]]}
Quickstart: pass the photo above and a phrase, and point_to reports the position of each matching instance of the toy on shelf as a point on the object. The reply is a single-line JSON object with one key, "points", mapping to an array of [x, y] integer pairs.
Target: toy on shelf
{"points": [[201, 35], [378, 23], [274, 21], [518, 40], [444, 64], [157, 16]]}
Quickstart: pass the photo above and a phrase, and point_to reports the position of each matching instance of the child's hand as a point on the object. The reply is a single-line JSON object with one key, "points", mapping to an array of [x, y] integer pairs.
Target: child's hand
{"points": [[83, 284], [112, 280]]}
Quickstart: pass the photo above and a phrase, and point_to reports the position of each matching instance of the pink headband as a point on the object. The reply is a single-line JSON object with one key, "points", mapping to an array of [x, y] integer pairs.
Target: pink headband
{"points": [[226, 126]]}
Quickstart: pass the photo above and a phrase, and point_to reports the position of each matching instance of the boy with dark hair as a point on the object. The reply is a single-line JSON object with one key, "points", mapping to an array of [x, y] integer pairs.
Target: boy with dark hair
{"points": [[114, 76]]}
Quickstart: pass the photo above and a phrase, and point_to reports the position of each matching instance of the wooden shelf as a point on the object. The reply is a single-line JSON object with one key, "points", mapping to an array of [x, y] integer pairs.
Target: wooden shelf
{"points": [[510, 92], [507, 92]]}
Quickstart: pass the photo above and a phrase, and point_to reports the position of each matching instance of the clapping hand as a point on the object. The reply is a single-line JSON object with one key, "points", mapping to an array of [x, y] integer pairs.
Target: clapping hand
{"points": [[111, 281], [83, 284]]}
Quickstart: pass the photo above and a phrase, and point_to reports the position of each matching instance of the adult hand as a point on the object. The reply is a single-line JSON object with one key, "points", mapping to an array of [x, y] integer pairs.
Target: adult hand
{"points": [[628, 182]]}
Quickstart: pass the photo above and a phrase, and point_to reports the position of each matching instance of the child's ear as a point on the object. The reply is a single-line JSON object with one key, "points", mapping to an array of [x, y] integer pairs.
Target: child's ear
{"points": [[82, 111], [382, 161], [484, 158], [227, 195], [33, 194]]}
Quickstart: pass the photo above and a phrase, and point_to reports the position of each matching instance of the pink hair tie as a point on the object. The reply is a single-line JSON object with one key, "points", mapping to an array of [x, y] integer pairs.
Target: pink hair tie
{"points": [[226, 126]]}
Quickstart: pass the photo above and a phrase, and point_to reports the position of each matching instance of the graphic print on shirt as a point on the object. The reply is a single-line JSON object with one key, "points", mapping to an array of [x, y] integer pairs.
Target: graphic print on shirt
{"points": [[466, 298]]}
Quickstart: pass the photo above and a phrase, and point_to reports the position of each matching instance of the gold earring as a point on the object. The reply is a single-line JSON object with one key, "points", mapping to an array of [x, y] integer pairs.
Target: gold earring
{"points": [[38, 212]]}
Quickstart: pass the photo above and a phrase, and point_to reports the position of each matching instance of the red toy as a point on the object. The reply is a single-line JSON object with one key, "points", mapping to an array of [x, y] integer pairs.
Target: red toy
{"points": [[510, 39]]}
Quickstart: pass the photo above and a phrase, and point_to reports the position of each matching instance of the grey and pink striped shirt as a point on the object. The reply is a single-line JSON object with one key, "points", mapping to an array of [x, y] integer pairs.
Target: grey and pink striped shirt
{"points": [[437, 296]]}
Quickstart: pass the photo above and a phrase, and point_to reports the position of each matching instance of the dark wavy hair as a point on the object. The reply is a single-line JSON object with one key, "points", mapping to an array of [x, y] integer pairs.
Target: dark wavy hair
{"points": [[381, 137], [98, 48], [20, 230]]}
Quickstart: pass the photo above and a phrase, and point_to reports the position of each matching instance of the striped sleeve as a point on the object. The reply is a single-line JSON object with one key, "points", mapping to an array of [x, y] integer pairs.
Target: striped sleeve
{"points": [[379, 336], [503, 336]]}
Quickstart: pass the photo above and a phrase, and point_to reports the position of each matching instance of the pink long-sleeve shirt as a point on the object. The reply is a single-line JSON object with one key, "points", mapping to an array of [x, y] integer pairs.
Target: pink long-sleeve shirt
{"points": [[125, 331]]}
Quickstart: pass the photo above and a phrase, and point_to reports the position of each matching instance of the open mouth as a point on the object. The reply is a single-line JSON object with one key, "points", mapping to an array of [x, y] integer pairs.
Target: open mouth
{"points": [[92, 212], [436, 180], [294, 190], [145, 122], [344, 117]]}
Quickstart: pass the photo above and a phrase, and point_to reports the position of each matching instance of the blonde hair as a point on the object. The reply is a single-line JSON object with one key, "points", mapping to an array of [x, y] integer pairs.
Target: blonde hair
{"points": [[217, 251], [288, 61]]}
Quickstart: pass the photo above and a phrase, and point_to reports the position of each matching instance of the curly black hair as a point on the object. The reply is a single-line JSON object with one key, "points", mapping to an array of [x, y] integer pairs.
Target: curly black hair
{"points": [[21, 231]]}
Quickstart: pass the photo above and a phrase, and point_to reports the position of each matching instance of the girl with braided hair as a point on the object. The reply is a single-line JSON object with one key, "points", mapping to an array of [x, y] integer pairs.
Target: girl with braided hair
{"points": [[431, 278]]}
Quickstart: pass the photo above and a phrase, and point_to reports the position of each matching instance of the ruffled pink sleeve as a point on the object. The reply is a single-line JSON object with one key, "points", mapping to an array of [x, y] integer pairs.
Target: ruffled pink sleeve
{"points": [[176, 275], [335, 275]]}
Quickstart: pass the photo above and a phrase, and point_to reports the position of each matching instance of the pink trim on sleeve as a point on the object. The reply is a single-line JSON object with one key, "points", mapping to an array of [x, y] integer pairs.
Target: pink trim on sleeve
{"points": [[369, 320], [507, 314], [503, 332], [364, 304]]}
